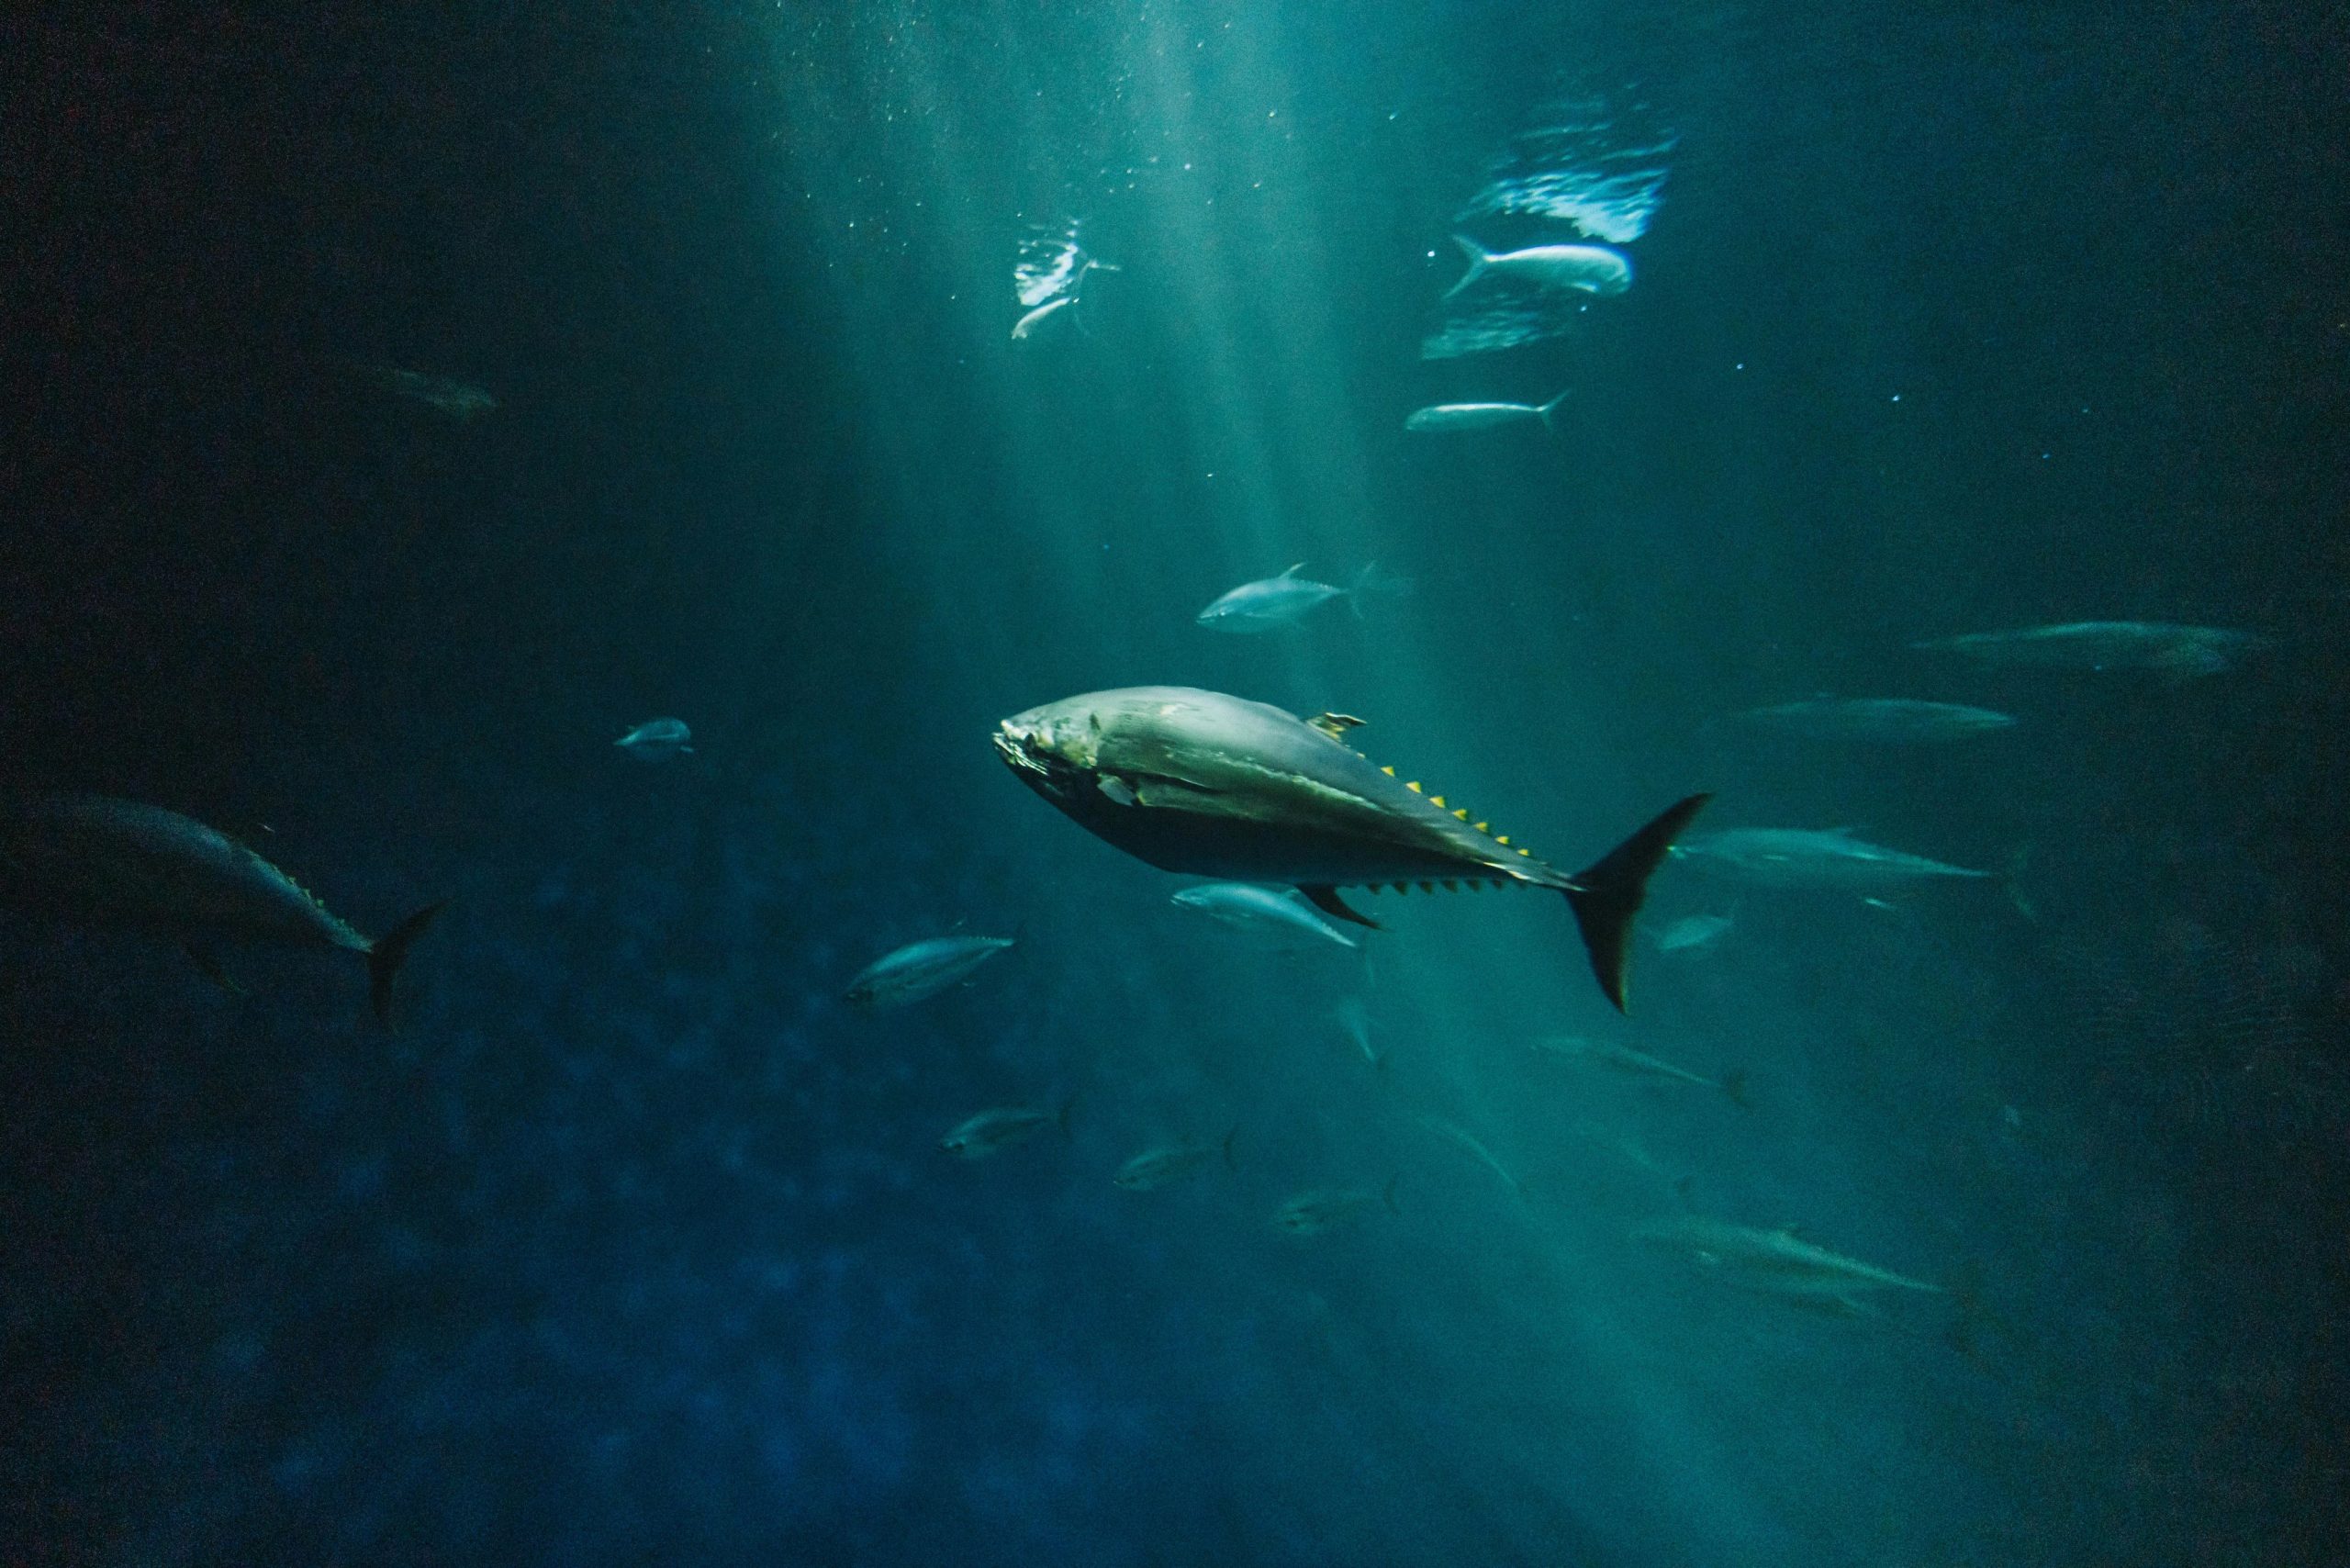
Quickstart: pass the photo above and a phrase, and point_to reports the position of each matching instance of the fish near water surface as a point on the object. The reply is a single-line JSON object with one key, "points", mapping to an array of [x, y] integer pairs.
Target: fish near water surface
{"points": [[920, 969], [1810, 857], [2180, 651], [1585, 269], [1218, 786], [101, 861], [1443, 418]]}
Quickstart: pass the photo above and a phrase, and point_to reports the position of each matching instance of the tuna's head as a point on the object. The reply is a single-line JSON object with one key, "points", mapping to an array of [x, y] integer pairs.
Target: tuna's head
{"points": [[1054, 749]]}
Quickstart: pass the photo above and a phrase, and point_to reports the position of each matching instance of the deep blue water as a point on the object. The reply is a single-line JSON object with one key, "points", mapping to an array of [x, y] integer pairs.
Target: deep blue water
{"points": [[633, 1242]]}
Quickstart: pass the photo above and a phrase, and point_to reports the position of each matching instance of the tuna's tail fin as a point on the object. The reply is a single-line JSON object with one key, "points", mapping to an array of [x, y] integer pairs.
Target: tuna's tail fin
{"points": [[1061, 1116], [1371, 580], [1478, 258], [1607, 895], [1734, 1085], [1545, 409], [390, 949]]}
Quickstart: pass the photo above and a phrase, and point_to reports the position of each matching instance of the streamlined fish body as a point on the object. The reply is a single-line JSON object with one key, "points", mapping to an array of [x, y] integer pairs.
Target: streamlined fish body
{"points": [[1632, 1063], [1327, 1208], [1778, 1262], [1441, 418], [1693, 931], [1157, 1168], [2179, 651], [1584, 269], [1277, 915], [1810, 857], [999, 1128], [1218, 786], [1899, 720], [922, 969], [102, 861]]}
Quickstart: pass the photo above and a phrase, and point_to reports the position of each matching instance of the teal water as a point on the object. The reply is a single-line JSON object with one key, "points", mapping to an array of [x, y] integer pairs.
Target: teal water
{"points": [[634, 1240]]}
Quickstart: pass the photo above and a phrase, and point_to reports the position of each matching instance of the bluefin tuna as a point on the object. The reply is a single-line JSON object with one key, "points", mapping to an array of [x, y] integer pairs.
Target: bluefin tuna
{"points": [[1777, 1263], [1272, 602], [2180, 651], [1276, 915], [454, 398], [657, 740], [1443, 418], [1586, 269], [1218, 786], [1632, 1063], [1157, 1168], [919, 969], [1897, 719], [989, 1131], [100, 861], [1810, 857]]}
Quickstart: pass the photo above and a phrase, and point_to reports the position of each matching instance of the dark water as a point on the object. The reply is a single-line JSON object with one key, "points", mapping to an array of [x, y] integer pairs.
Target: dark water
{"points": [[634, 1243]]}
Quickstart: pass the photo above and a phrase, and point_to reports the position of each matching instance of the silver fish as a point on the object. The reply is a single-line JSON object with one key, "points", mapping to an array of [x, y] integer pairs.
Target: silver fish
{"points": [[454, 398], [1272, 602], [1156, 1168], [108, 862], [1326, 1208], [1587, 269], [1354, 1020], [1445, 417], [984, 1134], [1217, 786], [1894, 719], [1778, 1262], [1809, 858], [1693, 931], [1026, 326], [2181, 651], [656, 740], [1633, 1063], [1280, 915], [919, 969]]}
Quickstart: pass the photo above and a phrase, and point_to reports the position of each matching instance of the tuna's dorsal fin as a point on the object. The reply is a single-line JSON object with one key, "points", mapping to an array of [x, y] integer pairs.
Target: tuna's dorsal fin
{"points": [[1335, 725], [1294, 570]]}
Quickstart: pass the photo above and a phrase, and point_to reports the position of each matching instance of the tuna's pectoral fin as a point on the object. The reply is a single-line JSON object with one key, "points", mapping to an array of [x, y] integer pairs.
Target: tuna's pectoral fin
{"points": [[209, 962], [1326, 900], [385, 957], [1608, 895]]}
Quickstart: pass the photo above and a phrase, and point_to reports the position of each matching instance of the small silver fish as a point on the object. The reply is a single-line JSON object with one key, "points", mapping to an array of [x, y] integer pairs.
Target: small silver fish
{"points": [[984, 1134], [656, 740], [100, 861], [1477, 1151], [1446, 416], [1272, 602], [1326, 1208], [1693, 931], [1026, 326], [2181, 651], [1354, 1020], [1587, 269], [1809, 858], [919, 969], [1898, 720], [1279, 915], [1157, 1168], [1640, 1064]]}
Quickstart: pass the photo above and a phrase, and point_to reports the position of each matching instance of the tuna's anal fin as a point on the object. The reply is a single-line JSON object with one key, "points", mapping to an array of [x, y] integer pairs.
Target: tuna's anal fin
{"points": [[1326, 900], [385, 957], [209, 962], [1607, 895]]}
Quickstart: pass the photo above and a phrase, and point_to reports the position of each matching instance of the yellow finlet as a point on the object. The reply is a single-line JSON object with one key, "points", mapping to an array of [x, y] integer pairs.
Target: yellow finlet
{"points": [[1482, 826], [1389, 771], [1413, 786], [1525, 852], [1435, 800], [1503, 839], [1462, 814]]}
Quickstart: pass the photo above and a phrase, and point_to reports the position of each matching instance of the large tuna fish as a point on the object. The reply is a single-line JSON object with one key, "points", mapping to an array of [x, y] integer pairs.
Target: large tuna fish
{"points": [[109, 862], [1217, 786]]}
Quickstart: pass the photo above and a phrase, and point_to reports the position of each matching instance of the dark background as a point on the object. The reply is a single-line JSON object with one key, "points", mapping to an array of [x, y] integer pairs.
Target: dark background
{"points": [[631, 1245]]}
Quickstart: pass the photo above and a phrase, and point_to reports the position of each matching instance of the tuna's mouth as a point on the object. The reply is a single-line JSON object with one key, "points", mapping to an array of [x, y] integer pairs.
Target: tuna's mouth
{"points": [[1013, 746]]}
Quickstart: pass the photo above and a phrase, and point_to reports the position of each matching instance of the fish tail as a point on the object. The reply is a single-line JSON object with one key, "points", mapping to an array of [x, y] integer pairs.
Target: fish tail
{"points": [[389, 951], [1734, 1085], [1607, 894], [1061, 1116], [1387, 1196], [1226, 1146], [1478, 259], [1545, 409], [1371, 580]]}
